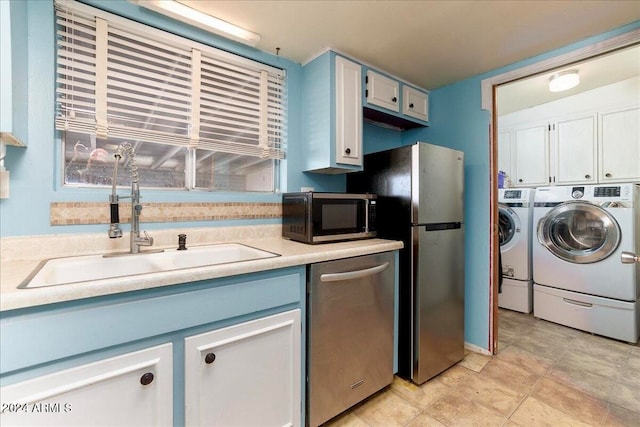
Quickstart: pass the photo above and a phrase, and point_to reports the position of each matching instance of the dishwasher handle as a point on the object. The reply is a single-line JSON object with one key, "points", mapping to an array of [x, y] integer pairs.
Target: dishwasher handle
{"points": [[349, 275]]}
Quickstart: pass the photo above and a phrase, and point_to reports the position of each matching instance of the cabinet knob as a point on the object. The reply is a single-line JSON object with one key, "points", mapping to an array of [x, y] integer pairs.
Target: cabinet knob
{"points": [[608, 175], [209, 358], [394, 99], [588, 176], [411, 105], [348, 151], [146, 379], [520, 180]]}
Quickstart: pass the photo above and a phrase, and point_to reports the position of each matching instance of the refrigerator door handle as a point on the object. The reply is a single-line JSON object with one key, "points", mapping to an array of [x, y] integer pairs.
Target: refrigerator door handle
{"points": [[349, 275], [443, 226]]}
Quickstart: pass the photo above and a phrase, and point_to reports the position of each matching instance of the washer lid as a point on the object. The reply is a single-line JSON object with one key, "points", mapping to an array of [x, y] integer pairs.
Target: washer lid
{"points": [[579, 232]]}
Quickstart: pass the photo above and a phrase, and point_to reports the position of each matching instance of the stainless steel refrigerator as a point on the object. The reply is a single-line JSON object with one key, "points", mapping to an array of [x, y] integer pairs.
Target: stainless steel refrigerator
{"points": [[420, 191]]}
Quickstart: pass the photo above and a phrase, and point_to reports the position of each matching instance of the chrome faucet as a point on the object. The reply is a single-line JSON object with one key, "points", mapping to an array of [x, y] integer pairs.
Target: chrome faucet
{"points": [[135, 240]]}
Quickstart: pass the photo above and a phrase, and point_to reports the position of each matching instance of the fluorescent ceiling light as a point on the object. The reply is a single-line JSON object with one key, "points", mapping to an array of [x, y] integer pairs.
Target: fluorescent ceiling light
{"points": [[564, 81], [201, 20]]}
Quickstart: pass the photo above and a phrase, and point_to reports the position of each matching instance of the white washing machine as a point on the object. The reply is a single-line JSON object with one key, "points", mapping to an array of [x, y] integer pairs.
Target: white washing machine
{"points": [[579, 279], [515, 219]]}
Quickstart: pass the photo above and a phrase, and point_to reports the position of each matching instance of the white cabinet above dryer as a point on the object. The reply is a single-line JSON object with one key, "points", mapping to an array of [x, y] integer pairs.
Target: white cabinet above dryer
{"points": [[574, 150], [619, 145], [592, 137], [551, 153]]}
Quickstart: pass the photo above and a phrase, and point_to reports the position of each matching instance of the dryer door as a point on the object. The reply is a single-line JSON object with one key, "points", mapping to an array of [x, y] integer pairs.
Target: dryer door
{"points": [[508, 227], [579, 232]]}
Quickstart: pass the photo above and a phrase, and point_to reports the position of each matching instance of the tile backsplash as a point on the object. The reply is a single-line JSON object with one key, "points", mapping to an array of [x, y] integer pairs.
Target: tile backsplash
{"points": [[75, 213]]}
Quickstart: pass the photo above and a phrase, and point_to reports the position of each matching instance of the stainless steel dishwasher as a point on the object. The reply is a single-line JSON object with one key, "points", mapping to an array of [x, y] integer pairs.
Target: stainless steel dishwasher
{"points": [[350, 325]]}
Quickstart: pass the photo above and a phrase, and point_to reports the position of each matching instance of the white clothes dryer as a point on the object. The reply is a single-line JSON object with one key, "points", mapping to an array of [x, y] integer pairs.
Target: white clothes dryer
{"points": [[515, 219], [579, 280]]}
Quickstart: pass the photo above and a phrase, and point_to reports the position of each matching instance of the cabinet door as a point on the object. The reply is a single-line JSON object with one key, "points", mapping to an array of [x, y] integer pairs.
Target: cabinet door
{"points": [[574, 154], [415, 103], [504, 152], [245, 375], [348, 112], [134, 389], [531, 156], [382, 91], [13, 81], [619, 146]]}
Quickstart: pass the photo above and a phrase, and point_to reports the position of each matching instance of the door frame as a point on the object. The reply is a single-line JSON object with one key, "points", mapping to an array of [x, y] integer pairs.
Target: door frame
{"points": [[488, 90]]}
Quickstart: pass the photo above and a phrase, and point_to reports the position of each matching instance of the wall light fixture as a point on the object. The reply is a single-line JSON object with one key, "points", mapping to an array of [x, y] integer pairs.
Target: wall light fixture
{"points": [[564, 80]]}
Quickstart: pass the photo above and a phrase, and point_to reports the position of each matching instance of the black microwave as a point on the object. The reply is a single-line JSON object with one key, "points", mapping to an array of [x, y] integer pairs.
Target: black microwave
{"points": [[314, 217]]}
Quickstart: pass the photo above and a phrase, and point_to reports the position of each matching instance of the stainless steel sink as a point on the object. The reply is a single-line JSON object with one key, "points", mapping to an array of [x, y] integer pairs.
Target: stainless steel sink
{"points": [[67, 270]]}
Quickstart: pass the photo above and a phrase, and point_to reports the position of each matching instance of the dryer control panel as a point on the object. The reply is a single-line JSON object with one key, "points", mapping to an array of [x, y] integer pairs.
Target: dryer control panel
{"points": [[606, 191], [549, 196]]}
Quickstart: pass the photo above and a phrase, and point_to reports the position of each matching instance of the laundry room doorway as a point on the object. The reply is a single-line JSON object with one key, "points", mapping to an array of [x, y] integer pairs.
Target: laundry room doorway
{"points": [[528, 122]]}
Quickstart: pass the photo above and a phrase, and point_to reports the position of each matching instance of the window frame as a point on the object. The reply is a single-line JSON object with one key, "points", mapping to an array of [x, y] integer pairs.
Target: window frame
{"points": [[267, 147]]}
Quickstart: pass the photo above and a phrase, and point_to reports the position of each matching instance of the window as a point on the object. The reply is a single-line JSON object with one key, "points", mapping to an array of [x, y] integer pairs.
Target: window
{"points": [[198, 117]]}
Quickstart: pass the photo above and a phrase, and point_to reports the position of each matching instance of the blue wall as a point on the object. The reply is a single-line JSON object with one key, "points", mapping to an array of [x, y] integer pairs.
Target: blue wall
{"points": [[458, 122]]}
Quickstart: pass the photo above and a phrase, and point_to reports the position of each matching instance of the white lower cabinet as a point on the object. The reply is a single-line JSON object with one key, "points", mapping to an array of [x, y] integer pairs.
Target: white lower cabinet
{"points": [[133, 389], [245, 375]]}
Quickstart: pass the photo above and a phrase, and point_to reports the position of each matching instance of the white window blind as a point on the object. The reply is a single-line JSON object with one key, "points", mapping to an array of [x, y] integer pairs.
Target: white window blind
{"points": [[124, 80]]}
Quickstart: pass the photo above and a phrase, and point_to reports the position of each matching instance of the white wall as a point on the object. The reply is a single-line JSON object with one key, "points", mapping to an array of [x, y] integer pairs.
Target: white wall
{"points": [[616, 95]]}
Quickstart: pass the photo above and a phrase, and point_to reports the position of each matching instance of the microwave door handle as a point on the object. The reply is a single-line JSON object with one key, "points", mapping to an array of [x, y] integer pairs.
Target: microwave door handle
{"points": [[366, 215], [350, 275]]}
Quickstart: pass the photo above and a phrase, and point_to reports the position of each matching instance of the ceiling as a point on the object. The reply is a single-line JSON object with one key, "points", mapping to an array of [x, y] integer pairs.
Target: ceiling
{"points": [[595, 72], [428, 43]]}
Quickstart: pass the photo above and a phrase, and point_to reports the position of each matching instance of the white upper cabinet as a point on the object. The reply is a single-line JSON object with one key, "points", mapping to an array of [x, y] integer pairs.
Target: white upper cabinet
{"points": [[336, 102], [348, 112], [619, 146], [383, 91], [393, 103], [332, 118], [415, 103], [530, 146], [504, 152], [574, 150], [559, 153], [13, 81], [589, 138]]}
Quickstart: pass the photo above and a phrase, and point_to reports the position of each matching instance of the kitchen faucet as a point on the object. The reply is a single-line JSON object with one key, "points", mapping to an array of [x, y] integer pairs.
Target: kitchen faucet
{"points": [[136, 240]]}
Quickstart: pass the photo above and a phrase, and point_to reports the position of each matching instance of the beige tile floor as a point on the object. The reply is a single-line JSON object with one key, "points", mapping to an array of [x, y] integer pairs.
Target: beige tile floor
{"points": [[543, 375]]}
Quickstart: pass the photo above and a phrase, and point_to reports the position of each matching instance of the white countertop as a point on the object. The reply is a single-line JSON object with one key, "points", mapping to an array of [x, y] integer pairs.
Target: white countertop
{"points": [[15, 270]]}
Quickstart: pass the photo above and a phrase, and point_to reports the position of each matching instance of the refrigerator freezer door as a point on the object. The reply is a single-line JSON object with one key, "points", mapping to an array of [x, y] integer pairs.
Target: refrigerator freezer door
{"points": [[438, 264], [437, 184]]}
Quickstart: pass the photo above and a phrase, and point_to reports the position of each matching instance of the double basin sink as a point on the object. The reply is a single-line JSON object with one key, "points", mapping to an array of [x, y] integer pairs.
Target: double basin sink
{"points": [[75, 269]]}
